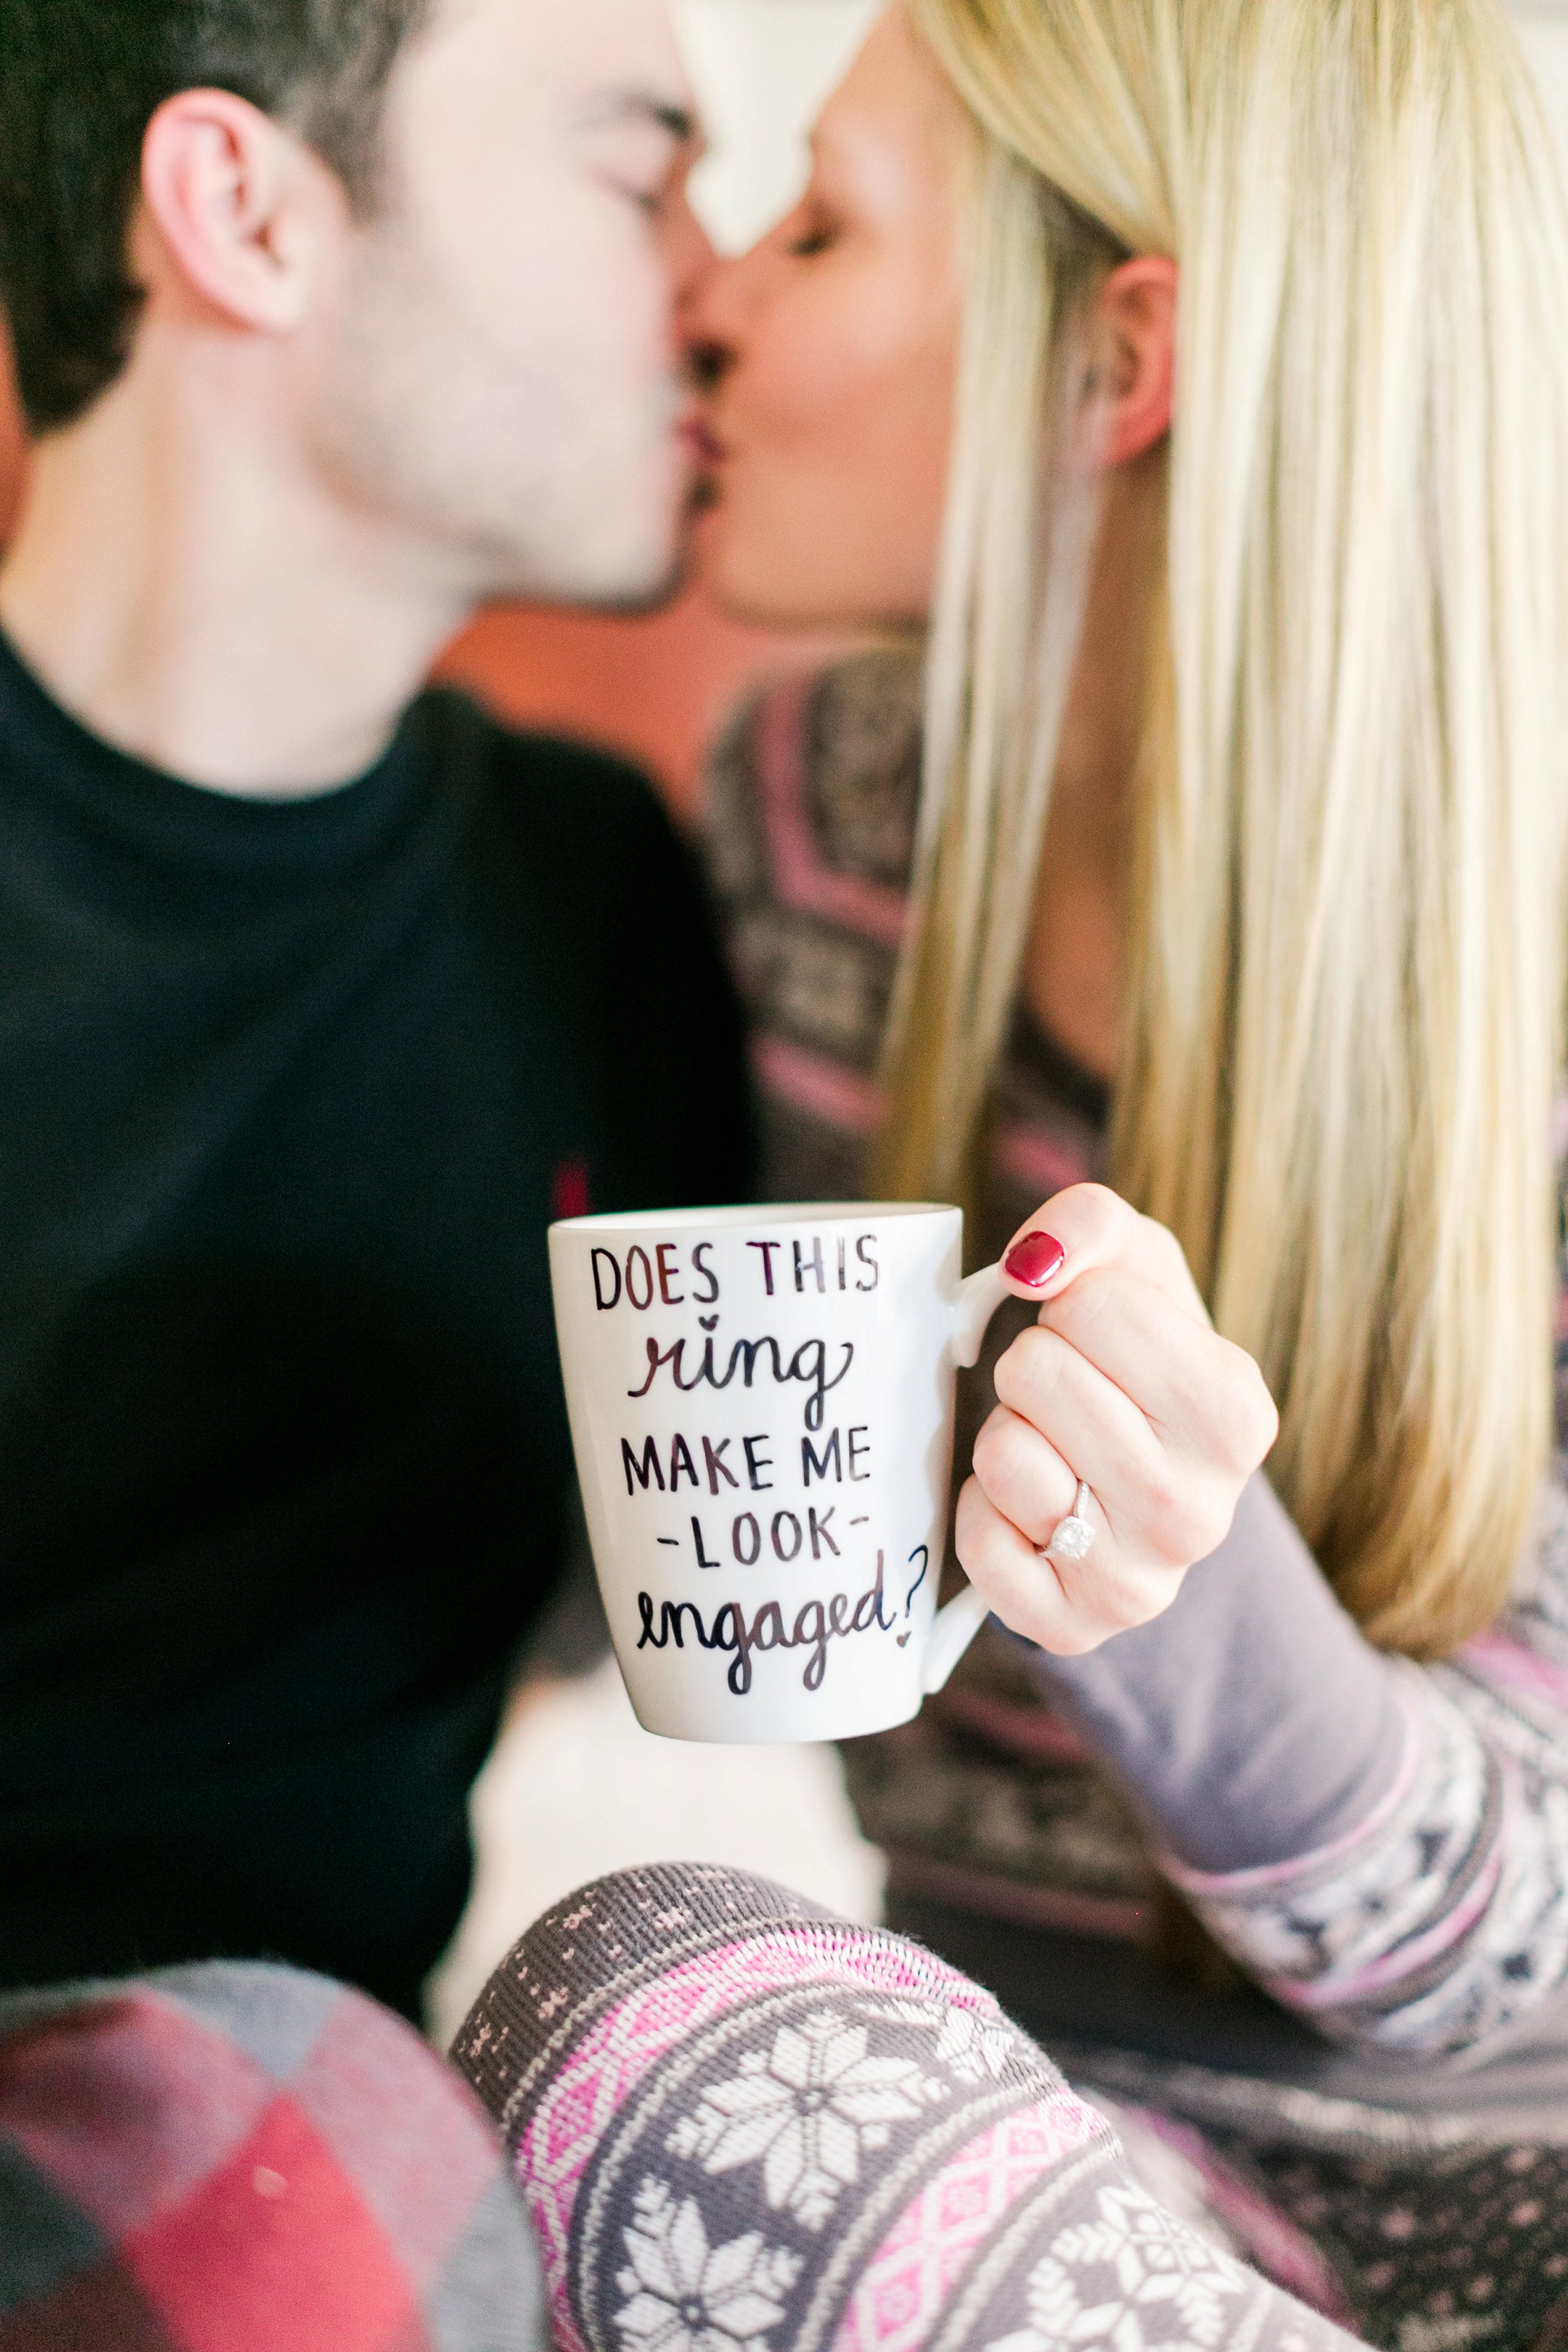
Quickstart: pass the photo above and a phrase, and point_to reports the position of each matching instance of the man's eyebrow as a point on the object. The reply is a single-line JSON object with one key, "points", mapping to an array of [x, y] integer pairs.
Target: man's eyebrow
{"points": [[637, 105]]}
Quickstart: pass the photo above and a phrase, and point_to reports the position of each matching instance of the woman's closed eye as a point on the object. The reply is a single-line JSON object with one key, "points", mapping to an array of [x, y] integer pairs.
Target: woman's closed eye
{"points": [[814, 232]]}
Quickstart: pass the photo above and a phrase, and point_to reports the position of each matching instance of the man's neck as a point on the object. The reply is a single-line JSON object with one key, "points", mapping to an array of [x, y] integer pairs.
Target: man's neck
{"points": [[186, 588]]}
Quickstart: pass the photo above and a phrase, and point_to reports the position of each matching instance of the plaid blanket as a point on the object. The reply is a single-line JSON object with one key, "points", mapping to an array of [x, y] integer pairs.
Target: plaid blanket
{"points": [[231, 2159]]}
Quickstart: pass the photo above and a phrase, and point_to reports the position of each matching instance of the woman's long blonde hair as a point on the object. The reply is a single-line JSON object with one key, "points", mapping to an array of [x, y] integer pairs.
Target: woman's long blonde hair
{"points": [[1346, 932]]}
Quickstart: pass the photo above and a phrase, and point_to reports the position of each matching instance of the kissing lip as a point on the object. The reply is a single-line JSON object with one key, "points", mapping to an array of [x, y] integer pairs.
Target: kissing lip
{"points": [[704, 444]]}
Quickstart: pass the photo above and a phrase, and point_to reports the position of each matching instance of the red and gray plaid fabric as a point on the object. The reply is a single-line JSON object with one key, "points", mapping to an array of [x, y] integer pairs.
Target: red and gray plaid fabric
{"points": [[232, 2158]]}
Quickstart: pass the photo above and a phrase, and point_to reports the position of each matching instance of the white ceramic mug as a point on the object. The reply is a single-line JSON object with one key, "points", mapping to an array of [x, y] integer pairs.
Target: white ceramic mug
{"points": [[762, 1406]]}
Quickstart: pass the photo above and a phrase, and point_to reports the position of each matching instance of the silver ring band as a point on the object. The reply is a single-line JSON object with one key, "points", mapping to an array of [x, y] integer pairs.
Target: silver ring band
{"points": [[1074, 1538]]}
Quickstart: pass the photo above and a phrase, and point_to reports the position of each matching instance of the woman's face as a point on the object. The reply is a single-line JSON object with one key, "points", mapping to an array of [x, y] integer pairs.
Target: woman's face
{"points": [[832, 350]]}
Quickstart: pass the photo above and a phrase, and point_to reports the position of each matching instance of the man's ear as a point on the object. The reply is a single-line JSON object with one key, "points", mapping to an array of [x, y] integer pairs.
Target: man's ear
{"points": [[1135, 349], [236, 202]]}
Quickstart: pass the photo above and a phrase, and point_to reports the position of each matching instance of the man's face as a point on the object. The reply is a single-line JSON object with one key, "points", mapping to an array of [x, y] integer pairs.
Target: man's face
{"points": [[498, 375]]}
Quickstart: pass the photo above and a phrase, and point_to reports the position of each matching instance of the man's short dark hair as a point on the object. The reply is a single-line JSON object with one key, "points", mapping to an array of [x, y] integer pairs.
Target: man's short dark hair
{"points": [[79, 81]]}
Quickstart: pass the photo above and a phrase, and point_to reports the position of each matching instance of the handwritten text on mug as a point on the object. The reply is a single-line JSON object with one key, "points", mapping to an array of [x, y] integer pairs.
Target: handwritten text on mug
{"points": [[641, 1281]]}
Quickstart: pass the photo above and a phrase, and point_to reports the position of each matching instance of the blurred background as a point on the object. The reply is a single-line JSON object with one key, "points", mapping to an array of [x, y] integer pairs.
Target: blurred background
{"points": [[596, 1793]]}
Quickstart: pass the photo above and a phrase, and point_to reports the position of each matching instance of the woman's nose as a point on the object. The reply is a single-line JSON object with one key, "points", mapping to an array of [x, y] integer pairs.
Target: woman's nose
{"points": [[710, 320], [706, 363]]}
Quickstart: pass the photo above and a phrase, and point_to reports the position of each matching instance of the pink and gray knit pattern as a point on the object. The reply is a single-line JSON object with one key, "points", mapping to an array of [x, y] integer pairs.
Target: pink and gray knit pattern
{"points": [[742, 2125]]}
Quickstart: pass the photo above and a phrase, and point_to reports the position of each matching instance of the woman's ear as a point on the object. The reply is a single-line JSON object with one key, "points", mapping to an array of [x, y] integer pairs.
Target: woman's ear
{"points": [[1135, 346], [236, 202]]}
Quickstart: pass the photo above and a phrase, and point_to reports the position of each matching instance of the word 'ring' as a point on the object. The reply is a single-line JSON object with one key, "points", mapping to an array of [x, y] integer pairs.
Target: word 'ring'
{"points": [[1074, 1538]]}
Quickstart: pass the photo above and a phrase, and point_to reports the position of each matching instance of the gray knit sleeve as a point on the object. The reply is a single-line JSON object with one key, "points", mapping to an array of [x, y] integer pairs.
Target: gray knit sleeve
{"points": [[1383, 1846], [1252, 1723]]}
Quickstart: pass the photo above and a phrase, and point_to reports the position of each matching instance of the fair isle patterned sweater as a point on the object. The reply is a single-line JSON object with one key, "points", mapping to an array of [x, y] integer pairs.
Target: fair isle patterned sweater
{"points": [[1381, 1849]]}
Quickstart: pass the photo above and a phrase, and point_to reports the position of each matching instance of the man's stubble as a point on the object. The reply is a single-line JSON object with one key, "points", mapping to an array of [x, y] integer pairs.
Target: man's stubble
{"points": [[488, 441]]}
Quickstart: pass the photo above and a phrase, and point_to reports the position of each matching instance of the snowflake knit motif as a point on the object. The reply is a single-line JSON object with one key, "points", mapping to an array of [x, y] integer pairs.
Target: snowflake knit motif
{"points": [[807, 2111], [976, 2049], [1134, 2279], [686, 2296]]}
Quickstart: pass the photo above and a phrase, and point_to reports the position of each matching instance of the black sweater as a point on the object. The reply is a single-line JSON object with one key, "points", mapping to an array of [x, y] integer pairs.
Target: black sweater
{"points": [[289, 1094]]}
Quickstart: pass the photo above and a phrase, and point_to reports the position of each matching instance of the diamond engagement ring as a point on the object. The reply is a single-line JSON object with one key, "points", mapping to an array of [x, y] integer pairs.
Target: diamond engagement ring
{"points": [[1074, 1538]]}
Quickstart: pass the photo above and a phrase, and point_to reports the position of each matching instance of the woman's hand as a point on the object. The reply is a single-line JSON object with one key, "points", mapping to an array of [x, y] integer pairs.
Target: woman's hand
{"points": [[1124, 1384]]}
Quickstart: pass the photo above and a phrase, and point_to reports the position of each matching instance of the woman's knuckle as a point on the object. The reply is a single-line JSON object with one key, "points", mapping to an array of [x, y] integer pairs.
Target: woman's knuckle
{"points": [[994, 1451], [1139, 1597], [1130, 1604], [1257, 1423], [1089, 1216], [1112, 1216], [1124, 1614], [1164, 1495], [1207, 1532], [974, 1533], [1027, 1375], [1097, 1302], [1266, 1421], [1186, 1527], [974, 1510], [1240, 1420], [1218, 1499], [1165, 1248]]}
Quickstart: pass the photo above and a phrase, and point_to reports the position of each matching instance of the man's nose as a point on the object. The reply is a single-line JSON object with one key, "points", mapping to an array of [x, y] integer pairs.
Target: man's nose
{"points": [[689, 256], [694, 269]]}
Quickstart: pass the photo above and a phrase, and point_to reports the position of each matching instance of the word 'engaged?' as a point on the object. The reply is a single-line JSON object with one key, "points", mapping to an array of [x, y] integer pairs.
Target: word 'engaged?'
{"points": [[816, 1624]]}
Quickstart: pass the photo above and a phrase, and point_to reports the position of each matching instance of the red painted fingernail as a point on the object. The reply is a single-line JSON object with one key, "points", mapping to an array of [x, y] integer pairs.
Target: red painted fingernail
{"points": [[1034, 1260]]}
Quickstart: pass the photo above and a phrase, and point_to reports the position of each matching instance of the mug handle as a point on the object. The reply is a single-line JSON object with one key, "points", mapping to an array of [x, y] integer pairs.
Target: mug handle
{"points": [[958, 1623]]}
